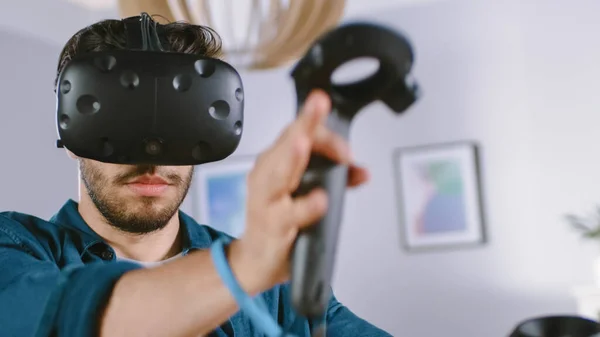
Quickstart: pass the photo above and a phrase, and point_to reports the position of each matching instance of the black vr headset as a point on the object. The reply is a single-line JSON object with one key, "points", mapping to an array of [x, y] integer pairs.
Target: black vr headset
{"points": [[148, 105]]}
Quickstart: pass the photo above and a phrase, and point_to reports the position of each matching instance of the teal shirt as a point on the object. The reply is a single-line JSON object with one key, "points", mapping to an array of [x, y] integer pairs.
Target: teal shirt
{"points": [[56, 275]]}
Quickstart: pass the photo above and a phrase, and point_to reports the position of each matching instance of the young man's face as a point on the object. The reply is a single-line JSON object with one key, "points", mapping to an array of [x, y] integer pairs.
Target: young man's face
{"points": [[136, 199]]}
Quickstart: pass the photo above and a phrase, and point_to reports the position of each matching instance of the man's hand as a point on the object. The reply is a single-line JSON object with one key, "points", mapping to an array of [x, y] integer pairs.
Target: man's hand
{"points": [[273, 216]]}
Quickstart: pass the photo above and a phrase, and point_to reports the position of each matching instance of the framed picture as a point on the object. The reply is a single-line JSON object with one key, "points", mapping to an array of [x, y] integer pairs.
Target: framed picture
{"points": [[220, 194], [439, 195]]}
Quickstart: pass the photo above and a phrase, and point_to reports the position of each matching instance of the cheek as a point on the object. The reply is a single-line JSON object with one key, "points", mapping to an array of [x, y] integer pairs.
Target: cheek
{"points": [[184, 171], [96, 172]]}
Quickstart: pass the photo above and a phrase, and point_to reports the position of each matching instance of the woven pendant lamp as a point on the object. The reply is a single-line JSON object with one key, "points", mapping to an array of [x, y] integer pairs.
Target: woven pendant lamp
{"points": [[257, 34]]}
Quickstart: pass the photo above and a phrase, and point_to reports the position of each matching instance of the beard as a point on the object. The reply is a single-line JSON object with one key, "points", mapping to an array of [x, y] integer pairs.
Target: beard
{"points": [[140, 215]]}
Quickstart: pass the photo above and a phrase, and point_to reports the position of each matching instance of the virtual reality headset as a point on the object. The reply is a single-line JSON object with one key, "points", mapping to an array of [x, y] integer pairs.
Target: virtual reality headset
{"points": [[148, 105]]}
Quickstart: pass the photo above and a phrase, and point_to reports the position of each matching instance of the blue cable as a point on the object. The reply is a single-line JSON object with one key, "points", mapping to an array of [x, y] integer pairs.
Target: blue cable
{"points": [[255, 308]]}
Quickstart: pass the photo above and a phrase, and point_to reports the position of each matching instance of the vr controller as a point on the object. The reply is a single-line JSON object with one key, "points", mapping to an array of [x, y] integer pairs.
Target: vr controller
{"points": [[315, 248]]}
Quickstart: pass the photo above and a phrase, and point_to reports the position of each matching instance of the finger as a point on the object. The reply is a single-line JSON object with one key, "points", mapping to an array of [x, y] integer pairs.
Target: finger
{"points": [[357, 176], [326, 143], [298, 139], [309, 208], [330, 144], [288, 158], [312, 113]]}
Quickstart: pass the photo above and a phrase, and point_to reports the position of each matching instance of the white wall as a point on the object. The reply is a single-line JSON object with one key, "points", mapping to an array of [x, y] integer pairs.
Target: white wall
{"points": [[53, 21], [520, 76], [35, 176]]}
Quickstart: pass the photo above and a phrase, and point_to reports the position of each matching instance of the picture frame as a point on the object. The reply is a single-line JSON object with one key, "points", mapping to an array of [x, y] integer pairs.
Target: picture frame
{"points": [[220, 194], [439, 196]]}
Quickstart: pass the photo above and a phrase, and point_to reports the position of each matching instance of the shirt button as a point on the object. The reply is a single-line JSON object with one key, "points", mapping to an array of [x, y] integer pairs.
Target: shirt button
{"points": [[107, 255]]}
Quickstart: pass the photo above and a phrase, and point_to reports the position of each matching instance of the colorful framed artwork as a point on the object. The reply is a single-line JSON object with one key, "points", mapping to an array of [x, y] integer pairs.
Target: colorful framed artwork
{"points": [[439, 195], [221, 191]]}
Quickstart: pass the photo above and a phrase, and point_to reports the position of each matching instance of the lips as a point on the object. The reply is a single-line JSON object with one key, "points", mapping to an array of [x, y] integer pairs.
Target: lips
{"points": [[149, 180], [148, 186]]}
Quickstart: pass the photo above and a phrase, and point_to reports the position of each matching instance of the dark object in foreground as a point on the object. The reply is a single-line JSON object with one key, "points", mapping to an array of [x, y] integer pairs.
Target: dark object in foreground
{"points": [[557, 326]]}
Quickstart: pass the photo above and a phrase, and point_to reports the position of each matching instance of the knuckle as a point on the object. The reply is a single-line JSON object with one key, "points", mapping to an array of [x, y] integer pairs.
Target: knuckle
{"points": [[301, 145]]}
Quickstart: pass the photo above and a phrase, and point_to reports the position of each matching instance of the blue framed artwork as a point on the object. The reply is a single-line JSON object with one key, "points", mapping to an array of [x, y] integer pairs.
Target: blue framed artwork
{"points": [[439, 195], [221, 192]]}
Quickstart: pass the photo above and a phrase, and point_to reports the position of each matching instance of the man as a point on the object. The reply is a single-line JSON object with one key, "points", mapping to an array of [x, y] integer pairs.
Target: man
{"points": [[124, 261]]}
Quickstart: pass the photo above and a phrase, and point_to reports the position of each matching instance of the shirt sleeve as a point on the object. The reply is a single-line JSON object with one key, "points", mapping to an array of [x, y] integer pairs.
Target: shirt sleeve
{"points": [[39, 299], [341, 322]]}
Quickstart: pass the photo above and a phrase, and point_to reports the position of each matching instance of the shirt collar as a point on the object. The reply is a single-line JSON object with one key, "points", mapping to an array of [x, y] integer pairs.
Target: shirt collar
{"points": [[195, 236]]}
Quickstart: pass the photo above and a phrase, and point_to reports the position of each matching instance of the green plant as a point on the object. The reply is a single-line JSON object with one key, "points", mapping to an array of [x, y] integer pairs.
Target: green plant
{"points": [[589, 225]]}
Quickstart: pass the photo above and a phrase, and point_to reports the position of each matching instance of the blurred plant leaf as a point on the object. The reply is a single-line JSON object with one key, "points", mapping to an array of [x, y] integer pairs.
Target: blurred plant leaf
{"points": [[590, 226]]}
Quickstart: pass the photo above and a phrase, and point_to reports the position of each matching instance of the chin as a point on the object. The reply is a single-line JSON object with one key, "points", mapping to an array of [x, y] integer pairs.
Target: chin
{"points": [[157, 203], [149, 209]]}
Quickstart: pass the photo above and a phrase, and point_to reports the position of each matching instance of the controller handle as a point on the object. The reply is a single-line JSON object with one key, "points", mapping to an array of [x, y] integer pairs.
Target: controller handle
{"points": [[314, 251]]}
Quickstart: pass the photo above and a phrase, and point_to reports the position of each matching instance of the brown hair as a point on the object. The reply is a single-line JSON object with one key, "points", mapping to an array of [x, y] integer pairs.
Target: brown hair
{"points": [[110, 35]]}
